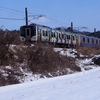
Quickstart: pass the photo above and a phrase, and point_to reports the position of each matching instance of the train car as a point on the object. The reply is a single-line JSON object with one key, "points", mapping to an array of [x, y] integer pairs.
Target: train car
{"points": [[66, 39], [61, 38], [53, 36], [96, 42], [28, 33], [43, 33], [89, 41], [36, 32]]}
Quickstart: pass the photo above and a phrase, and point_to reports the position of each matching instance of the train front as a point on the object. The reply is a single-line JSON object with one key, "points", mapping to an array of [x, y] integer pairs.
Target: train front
{"points": [[28, 33]]}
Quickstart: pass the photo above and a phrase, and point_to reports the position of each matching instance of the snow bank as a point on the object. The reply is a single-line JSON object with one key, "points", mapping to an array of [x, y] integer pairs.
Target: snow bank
{"points": [[78, 86]]}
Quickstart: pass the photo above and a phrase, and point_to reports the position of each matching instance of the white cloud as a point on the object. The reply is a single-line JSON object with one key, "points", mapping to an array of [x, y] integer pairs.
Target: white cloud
{"points": [[43, 19]]}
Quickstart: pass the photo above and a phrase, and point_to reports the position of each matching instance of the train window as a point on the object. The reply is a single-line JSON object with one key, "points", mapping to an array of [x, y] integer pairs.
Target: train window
{"points": [[39, 32], [28, 32], [92, 41], [34, 31], [46, 33], [59, 35], [88, 40], [83, 39], [43, 33], [54, 34], [73, 38], [96, 41], [67, 37], [62, 35]]}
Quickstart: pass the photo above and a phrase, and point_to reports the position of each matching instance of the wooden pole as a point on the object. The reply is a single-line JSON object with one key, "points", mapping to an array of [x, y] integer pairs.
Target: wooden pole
{"points": [[71, 26], [26, 16], [94, 30]]}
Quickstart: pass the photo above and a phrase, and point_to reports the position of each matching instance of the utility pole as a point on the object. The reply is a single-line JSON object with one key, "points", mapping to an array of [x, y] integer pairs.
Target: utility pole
{"points": [[34, 16], [26, 16], [94, 30], [71, 26]]}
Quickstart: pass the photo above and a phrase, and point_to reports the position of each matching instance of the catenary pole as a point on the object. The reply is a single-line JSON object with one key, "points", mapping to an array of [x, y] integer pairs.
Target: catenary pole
{"points": [[26, 16]]}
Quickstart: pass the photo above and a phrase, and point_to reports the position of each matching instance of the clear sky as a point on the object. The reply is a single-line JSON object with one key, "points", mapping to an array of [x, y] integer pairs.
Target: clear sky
{"points": [[83, 13]]}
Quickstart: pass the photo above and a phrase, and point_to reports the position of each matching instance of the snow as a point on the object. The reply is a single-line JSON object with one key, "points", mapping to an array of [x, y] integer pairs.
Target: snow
{"points": [[8, 67], [86, 64], [79, 86], [66, 52]]}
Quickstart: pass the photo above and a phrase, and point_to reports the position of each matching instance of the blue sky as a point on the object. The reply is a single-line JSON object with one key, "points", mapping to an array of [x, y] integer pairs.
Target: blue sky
{"points": [[83, 13]]}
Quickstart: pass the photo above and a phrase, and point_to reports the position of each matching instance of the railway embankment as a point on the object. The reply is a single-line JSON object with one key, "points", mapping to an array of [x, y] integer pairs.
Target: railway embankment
{"points": [[30, 62]]}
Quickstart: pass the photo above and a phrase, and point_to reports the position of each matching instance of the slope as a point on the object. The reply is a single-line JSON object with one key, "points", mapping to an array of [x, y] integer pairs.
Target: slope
{"points": [[78, 86]]}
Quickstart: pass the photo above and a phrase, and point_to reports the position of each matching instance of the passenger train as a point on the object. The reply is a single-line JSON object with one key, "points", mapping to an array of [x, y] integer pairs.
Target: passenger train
{"points": [[35, 32]]}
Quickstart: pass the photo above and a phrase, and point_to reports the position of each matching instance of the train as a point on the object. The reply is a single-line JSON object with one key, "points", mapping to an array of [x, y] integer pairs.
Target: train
{"points": [[35, 33]]}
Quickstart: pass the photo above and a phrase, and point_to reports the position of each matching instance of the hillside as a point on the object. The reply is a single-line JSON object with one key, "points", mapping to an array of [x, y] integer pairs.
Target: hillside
{"points": [[78, 86], [23, 62], [29, 63]]}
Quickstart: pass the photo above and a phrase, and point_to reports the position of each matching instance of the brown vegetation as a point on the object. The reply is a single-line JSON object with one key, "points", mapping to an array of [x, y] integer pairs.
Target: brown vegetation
{"points": [[88, 51], [39, 59], [7, 76], [43, 59]]}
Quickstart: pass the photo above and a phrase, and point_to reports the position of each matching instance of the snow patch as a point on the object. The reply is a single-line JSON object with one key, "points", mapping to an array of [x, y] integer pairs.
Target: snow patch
{"points": [[78, 86], [66, 52]]}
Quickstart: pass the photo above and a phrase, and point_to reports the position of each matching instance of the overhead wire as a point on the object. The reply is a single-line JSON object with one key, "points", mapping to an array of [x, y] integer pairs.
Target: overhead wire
{"points": [[10, 18], [82, 28], [14, 10], [11, 9], [19, 12], [30, 14], [55, 20], [11, 12]]}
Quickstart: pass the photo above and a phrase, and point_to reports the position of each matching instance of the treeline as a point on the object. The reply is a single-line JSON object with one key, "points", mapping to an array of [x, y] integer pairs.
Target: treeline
{"points": [[6, 38], [69, 29], [95, 34]]}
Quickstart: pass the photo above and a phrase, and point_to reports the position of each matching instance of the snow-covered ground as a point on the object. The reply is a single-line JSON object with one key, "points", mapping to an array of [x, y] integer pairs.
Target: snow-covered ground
{"points": [[84, 64], [79, 86]]}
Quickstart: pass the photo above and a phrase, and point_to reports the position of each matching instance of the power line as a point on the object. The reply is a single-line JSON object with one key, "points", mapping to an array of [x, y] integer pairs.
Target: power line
{"points": [[57, 21], [10, 18], [14, 10], [11, 12], [11, 9], [30, 14]]}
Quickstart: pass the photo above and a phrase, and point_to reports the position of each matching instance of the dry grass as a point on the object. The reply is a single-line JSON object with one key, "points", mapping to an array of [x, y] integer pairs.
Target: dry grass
{"points": [[43, 59], [90, 51], [40, 58]]}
